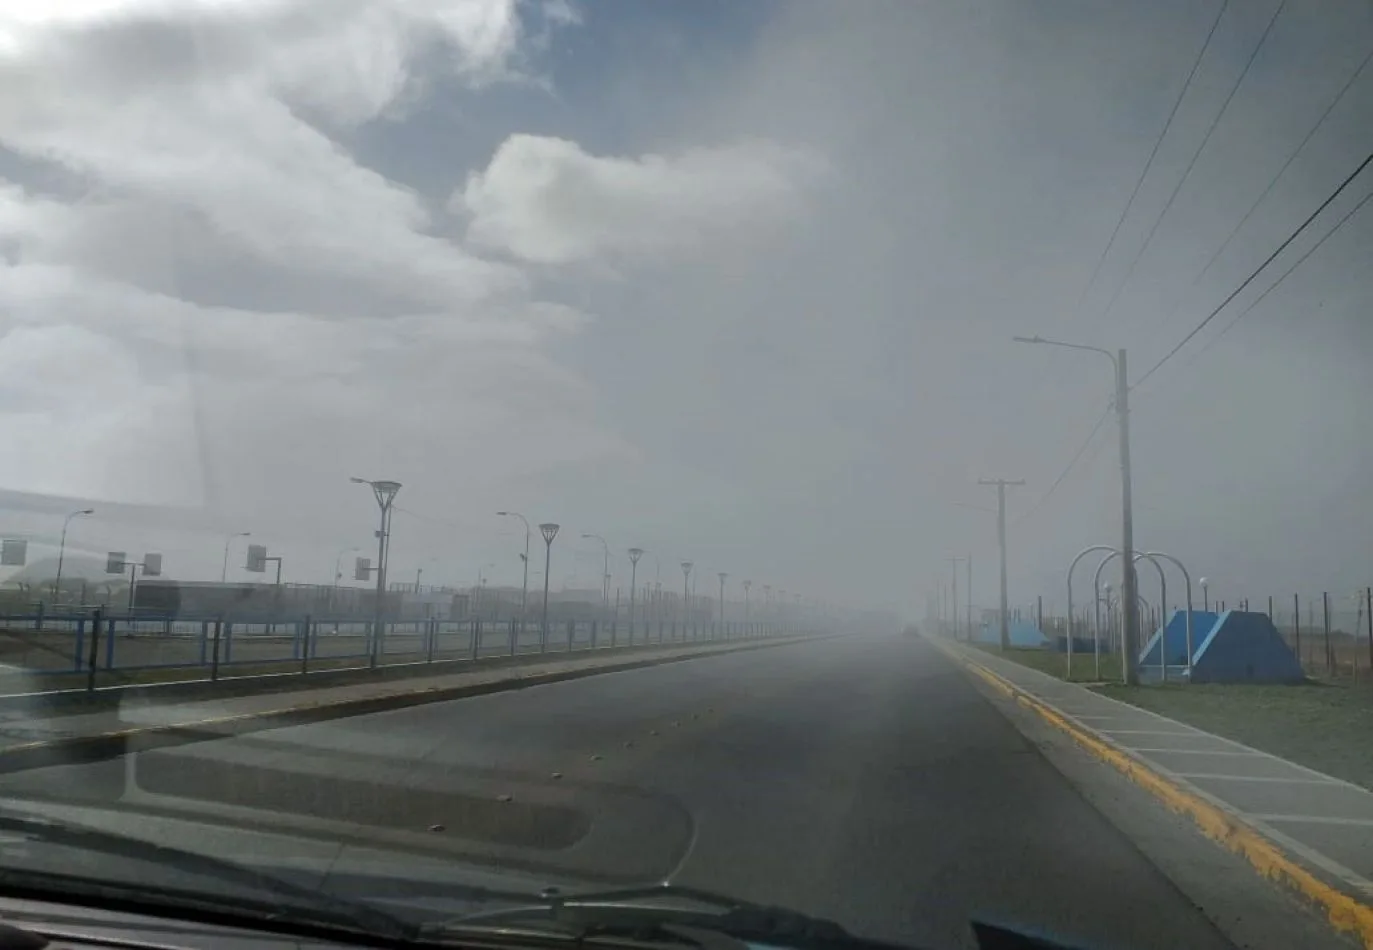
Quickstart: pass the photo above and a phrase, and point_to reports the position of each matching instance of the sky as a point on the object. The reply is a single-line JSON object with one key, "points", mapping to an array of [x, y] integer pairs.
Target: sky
{"points": [[734, 282]]}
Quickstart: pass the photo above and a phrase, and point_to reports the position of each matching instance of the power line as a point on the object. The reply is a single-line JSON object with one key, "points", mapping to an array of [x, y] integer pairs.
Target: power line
{"points": [[1266, 261], [1276, 178], [1077, 457], [1201, 54], [1273, 286], [1195, 155]]}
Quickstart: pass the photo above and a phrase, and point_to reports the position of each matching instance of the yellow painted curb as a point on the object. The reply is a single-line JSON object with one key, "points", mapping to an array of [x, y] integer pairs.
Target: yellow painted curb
{"points": [[1344, 912]]}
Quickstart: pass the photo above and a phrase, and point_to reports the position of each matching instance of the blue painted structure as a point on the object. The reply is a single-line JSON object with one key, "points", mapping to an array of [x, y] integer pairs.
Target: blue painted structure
{"points": [[1022, 633], [1236, 647], [1174, 636]]}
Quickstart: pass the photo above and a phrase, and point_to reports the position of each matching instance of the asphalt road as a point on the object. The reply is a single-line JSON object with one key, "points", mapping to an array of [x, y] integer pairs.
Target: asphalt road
{"points": [[860, 779]]}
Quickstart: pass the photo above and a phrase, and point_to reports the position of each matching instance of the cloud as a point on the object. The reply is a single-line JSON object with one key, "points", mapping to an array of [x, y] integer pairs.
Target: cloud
{"points": [[546, 200], [208, 299]]}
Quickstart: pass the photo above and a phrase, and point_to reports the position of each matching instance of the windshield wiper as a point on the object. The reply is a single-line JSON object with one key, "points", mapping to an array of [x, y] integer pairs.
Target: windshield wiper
{"points": [[284, 900], [637, 914]]}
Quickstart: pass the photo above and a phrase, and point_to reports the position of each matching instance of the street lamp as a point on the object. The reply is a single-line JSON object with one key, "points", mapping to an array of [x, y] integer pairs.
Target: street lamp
{"points": [[224, 571], [385, 492], [1129, 589], [57, 584], [634, 555], [605, 571], [686, 596], [1205, 596], [747, 585], [524, 590], [722, 575], [549, 530]]}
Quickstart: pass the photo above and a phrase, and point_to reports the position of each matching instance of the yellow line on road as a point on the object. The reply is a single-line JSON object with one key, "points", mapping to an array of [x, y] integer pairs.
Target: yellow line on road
{"points": [[1345, 913]]}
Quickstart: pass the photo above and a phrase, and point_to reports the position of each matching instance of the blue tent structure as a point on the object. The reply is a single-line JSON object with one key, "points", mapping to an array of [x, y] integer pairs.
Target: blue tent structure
{"points": [[1233, 647], [1023, 633]]}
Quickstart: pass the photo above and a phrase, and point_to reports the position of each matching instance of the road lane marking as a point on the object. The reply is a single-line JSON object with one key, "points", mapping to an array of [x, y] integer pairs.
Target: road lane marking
{"points": [[1216, 776], [1245, 753], [1216, 819], [1318, 820], [1149, 732]]}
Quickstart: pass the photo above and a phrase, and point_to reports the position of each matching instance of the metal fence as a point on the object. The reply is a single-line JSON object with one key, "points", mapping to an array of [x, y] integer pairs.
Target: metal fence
{"points": [[99, 646], [1330, 634]]}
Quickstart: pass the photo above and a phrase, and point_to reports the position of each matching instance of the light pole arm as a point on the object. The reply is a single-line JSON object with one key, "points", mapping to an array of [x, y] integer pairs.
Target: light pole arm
{"points": [[1040, 341]]}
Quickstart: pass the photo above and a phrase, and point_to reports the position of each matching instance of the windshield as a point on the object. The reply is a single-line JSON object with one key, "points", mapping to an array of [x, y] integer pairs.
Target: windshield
{"points": [[904, 463]]}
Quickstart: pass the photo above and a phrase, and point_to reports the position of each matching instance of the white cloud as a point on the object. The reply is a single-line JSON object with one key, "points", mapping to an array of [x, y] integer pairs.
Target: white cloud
{"points": [[546, 200], [171, 171]]}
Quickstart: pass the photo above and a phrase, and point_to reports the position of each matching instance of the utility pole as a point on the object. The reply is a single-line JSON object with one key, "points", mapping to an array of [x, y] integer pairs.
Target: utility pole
{"points": [[1129, 583], [969, 617], [954, 562], [1001, 484]]}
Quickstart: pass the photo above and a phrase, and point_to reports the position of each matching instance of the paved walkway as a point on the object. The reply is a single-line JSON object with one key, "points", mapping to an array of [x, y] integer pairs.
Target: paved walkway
{"points": [[19, 727], [1324, 820]]}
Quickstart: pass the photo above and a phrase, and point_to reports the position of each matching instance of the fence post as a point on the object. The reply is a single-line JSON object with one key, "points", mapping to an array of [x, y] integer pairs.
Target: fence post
{"points": [[214, 652], [433, 634], [1296, 628], [1329, 654], [1368, 600], [80, 642], [305, 646], [95, 651], [109, 644]]}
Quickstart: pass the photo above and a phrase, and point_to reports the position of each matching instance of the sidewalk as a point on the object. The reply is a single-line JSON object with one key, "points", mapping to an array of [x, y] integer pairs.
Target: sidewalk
{"points": [[1324, 822], [23, 733]]}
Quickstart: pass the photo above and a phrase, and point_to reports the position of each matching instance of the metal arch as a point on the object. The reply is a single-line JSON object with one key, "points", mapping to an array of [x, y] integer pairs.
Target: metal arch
{"points": [[1096, 605], [1071, 568], [1163, 613], [1188, 579]]}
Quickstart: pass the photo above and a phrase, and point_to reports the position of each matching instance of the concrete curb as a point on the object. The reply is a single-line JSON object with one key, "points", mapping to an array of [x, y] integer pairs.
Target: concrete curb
{"points": [[75, 750], [1222, 825]]}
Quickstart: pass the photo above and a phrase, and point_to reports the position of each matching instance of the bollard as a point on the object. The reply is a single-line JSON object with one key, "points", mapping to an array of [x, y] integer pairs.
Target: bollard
{"points": [[95, 651]]}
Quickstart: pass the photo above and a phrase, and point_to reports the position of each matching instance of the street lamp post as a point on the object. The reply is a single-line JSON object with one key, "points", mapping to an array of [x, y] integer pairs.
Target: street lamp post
{"points": [[224, 572], [605, 571], [634, 555], [747, 585], [1129, 587], [723, 575], [1205, 594], [524, 590], [549, 530], [385, 493], [686, 596], [62, 550]]}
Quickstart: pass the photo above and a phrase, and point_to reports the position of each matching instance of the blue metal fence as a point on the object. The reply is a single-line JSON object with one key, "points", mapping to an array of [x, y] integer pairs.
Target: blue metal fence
{"points": [[205, 646]]}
